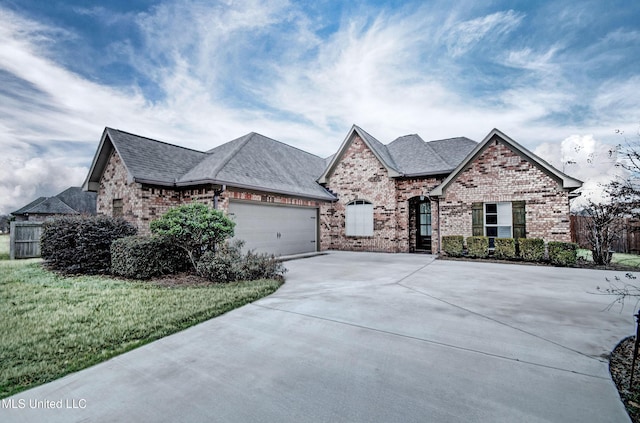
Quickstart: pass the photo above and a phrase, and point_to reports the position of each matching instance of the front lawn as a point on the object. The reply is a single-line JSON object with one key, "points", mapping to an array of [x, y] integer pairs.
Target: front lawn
{"points": [[4, 247], [54, 325], [630, 260]]}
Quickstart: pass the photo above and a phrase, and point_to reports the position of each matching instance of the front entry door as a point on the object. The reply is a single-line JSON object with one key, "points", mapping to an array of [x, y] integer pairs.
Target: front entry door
{"points": [[423, 226]]}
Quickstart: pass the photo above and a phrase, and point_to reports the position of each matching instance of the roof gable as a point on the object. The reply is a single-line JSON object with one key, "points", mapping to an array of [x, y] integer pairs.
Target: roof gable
{"points": [[379, 150], [566, 182], [146, 160]]}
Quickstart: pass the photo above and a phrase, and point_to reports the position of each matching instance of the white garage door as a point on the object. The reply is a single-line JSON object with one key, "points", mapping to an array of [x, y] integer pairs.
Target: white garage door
{"points": [[278, 230]]}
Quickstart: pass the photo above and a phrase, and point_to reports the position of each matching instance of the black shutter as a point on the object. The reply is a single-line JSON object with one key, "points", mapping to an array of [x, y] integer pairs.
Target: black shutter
{"points": [[477, 219], [519, 219]]}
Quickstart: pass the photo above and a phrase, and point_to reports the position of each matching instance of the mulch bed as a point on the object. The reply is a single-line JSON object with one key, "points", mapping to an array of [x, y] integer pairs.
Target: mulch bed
{"points": [[620, 368]]}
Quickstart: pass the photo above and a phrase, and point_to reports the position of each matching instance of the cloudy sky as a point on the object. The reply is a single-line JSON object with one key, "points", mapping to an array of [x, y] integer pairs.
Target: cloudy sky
{"points": [[558, 77]]}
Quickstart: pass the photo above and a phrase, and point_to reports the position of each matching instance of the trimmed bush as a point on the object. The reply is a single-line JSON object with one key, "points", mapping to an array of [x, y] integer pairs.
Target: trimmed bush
{"points": [[563, 253], [195, 227], [82, 245], [141, 257], [478, 246], [531, 249], [505, 248], [453, 245], [229, 264]]}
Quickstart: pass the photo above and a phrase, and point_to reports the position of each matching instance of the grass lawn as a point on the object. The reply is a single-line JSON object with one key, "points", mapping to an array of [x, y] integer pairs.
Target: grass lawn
{"points": [[631, 260], [54, 325], [4, 247]]}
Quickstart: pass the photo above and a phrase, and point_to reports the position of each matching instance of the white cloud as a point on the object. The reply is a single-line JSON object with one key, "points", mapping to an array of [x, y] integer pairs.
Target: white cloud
{"points": [[585, 158], [463, 36]]}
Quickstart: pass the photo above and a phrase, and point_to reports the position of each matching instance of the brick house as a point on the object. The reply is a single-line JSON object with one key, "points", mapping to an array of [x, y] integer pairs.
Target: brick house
{"points": [[399, 197]]}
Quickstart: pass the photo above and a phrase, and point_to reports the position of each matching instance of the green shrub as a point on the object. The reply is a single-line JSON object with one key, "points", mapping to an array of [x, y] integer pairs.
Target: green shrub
{"points": [[453, 245], [505, 248], [195, 227], [229, 264], [140, 257], [478, 246], [563, 253], [81, 244], [531, 249]]}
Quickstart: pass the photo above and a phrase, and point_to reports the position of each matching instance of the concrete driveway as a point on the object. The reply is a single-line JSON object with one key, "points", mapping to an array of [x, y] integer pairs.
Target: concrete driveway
{"points": [[366, 337]]}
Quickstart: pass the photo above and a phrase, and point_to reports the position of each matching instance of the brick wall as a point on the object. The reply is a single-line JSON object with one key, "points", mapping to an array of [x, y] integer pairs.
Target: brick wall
{"points": [[143, 203], [501, 174], [359, 175], [408, 191]]}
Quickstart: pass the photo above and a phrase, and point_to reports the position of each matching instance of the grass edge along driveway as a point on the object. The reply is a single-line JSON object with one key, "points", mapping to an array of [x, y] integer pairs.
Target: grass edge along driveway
{"points": [[54, 325]]}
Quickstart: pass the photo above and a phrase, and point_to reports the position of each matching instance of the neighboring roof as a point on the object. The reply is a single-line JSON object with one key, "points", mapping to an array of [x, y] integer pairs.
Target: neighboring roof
{"points": [[81, 201], [51, 205], [409, 155], [567, 182], [29, 206], [251, 162], [70, 201]]}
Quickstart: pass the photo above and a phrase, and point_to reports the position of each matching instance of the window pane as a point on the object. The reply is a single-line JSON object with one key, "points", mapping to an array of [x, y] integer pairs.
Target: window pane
{"points": [[491, 208], [504, 214], [492, 219], [423, 230], [492, 231], [504, 231], [429, 230], [423, 219]]}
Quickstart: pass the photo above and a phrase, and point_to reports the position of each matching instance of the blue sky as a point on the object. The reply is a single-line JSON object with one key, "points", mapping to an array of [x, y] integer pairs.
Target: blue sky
{"points": [[558, 77]]}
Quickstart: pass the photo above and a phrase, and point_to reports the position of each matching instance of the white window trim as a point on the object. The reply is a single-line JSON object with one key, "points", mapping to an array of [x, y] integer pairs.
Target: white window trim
{"points": [[504, 212]]}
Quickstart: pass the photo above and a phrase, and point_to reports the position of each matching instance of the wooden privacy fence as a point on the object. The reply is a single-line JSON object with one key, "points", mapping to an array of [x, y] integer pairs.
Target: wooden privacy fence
{"points": [[25, 240], [628, 242]]}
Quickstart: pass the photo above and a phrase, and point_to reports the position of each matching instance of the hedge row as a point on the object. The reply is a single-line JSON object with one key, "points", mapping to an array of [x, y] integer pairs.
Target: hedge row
{"points": [[140, 257], [527, 249], [106, 245], [78, 244]]}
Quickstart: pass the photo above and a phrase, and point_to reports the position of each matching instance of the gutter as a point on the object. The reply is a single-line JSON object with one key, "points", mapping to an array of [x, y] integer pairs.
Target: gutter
{"points": [[232, 184]]}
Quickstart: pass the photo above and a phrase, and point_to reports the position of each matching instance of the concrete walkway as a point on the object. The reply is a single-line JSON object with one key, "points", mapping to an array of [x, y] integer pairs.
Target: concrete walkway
{"points": [[365, 337]]}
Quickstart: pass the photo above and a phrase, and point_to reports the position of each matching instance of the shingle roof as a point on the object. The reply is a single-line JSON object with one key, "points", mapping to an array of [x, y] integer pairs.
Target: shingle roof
{"points": [[149, 160], [255, 161], [252, 161], [79, 200], [70, 201], [409, 155], [29, 206]]}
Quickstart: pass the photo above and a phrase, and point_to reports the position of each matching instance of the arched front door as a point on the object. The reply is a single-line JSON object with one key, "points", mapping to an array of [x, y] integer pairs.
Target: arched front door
{"points": [[423, 225]]}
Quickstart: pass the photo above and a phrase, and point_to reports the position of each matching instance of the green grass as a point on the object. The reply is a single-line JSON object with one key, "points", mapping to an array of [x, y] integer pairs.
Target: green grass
{"points": [[631, 260], [53, 325], [4, 247]]}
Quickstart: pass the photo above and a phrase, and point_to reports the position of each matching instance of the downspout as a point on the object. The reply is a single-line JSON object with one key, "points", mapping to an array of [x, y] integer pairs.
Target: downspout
{"points": [[216, 195]]}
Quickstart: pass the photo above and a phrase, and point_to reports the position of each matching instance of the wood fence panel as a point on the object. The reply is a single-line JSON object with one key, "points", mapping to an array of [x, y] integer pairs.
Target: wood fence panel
{"points": [[628, 242], [25, 240]]}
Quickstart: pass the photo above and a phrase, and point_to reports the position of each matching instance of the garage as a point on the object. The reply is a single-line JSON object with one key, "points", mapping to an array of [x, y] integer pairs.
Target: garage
{"points": [[275, 229]]}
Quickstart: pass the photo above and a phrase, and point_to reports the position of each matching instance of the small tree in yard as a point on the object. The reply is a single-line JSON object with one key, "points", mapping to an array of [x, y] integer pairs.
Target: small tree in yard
{"points": [[605, 224], [196, 228]]}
